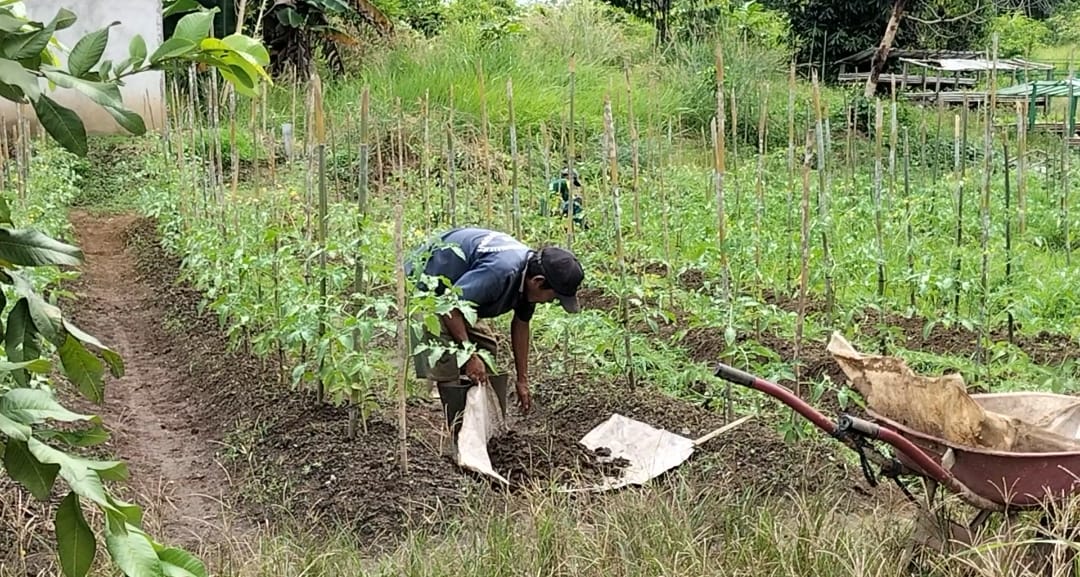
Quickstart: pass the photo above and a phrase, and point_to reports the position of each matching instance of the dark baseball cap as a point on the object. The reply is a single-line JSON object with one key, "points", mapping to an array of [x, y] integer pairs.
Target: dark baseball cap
{"points": [[564, 274]]}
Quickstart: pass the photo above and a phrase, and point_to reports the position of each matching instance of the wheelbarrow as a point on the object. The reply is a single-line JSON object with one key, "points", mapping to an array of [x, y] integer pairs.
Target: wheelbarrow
{"points": [[990, 481]]}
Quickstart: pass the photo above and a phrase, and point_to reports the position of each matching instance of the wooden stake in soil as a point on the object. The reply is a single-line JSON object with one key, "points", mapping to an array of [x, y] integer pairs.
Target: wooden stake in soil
{"points": [[571, 191], [402, 333], [1008, 239], [485, 144], [804, 260], [759, 208], [910, 249], [823, 198], [879, 233], [1021, 164], [319, 130], [451, 164], [361, 216], [718, 176], [514, 161], [634, 155], [613, 167], [789, 230], [984, 213]]}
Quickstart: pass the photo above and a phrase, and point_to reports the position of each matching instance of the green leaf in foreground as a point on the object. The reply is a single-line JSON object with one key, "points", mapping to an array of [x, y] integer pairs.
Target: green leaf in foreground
{"points": [[28, 471], [133, 552], [75, 541], [179, 563], [62, 124], [33, 406], [30, 247], [13, 74], [83, 369], [88, 50]]}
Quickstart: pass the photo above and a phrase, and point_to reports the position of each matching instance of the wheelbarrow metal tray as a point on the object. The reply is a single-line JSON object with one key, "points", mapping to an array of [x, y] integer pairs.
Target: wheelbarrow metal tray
{"points": [[1017, 480]]}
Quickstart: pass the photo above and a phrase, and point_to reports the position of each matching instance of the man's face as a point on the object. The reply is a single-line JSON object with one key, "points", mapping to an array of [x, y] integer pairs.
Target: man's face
{"points": [[535, 293]]}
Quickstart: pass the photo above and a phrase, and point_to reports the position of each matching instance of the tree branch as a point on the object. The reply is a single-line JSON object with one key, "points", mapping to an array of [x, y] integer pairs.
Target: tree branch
{"points": [[978, 6]]}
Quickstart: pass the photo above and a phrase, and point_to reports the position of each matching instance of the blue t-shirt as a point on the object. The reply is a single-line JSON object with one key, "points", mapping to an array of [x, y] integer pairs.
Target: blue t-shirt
{"points": [[490, 276]]}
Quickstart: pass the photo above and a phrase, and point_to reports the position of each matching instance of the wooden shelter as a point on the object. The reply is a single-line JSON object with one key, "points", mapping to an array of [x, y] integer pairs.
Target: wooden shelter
{"points": [[934, 70], [1045, 90]]}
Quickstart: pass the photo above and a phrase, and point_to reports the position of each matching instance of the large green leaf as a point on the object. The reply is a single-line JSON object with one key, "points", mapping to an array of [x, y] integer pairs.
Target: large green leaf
{"points": [[9, 23], [137, 51], [106, 94], [63, 19], [180, 6], [83, 369], [180, 563], [62, 124], [248, 46], [13, 74], [114, 360], [194, 27], [95, 435], [82, 475], [75, 541], [133, 552], [24, 468], [20, 339], [88, 50], [46, 317], [33, 406], [39, 366], [26, 44], [172, 48], [14, 430], [31, 247]]}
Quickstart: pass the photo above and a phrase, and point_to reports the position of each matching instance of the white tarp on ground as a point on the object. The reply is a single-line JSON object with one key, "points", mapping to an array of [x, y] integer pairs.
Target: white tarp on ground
{"points": [[650, 451]]}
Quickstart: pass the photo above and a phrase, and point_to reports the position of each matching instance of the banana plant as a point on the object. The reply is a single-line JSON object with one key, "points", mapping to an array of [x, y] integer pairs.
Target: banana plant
{"points": [[36, 334]]}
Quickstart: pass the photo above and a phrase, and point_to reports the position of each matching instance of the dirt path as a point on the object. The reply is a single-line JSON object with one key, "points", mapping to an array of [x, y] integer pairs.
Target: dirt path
{"points": [[148, 411]]}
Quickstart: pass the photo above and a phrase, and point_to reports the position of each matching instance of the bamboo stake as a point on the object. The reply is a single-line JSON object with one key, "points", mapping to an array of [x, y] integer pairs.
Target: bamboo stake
{"points": [[451, 164], [570, 165], [759, 209], [514, 161], [426, 160], [789, 230], [718, 175], [358, 273], [485, 144], [823, 198], [880, 236], [1008, 239], [319, 129], [1021, 165], [634, 154], [232, 144], [910, 250], [613, 167], [804, 261], [403, 337], [984, 212]]}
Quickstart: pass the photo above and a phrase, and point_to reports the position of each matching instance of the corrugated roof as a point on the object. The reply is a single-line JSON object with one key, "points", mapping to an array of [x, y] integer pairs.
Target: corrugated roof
{"points": [[1043, 88], [976, 64], [868, 53]]}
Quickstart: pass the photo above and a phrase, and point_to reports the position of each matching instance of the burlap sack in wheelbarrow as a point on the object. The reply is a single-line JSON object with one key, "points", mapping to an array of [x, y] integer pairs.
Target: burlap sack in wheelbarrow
{"points": [[939, 406]]}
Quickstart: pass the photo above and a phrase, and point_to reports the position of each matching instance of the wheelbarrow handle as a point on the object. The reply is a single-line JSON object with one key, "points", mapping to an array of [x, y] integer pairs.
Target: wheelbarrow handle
{"points": [[735, 375]]}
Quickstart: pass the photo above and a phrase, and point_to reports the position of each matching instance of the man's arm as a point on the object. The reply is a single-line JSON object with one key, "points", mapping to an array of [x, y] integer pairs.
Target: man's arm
{"points": [[474, 367], [519, 340]]}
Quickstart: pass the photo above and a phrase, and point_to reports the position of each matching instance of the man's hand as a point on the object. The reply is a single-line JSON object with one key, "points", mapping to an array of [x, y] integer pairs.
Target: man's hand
{"points": [[524, 398], [475, 370]]}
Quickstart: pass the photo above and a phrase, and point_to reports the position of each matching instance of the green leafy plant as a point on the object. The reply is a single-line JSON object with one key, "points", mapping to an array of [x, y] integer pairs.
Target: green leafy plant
{"points": [[36, 332], [26, 58]]}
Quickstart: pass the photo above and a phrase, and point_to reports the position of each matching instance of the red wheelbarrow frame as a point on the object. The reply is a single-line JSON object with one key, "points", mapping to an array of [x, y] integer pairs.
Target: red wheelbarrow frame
{"points": [[987, 480]]}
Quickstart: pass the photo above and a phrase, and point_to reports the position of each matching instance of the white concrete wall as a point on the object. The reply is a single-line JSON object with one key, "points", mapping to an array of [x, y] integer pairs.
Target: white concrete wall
{"points": [[142, 93]]}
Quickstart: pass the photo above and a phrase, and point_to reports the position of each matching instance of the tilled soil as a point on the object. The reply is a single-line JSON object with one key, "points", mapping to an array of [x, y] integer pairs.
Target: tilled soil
{"points": [[282, 444]]}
